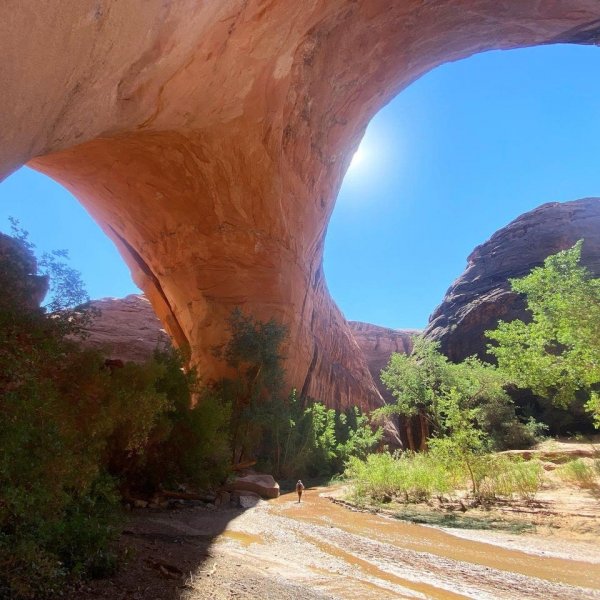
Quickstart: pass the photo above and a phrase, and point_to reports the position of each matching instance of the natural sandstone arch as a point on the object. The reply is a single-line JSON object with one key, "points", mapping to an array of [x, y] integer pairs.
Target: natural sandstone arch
{"points": [[209, 139]]}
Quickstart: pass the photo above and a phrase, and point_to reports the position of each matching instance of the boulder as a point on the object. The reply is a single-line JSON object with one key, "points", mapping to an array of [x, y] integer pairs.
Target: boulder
{"points": [[247, 501], [260, 483], [223, 498], [481, 296]]}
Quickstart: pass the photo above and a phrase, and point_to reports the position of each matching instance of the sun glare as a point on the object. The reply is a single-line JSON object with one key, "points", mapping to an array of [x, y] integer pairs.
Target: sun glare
{"points": [[358, 158]]}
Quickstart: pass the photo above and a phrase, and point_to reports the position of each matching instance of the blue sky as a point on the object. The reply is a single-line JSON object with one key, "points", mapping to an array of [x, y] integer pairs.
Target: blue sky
{"points": [[453, 158]]}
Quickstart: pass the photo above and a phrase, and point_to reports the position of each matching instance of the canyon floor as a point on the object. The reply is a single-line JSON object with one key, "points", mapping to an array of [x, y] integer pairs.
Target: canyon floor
{"points": [[321, 549]]}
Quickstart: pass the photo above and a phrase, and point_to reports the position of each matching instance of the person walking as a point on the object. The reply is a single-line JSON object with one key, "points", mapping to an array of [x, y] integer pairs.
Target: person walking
{"points": [[299, 490]]}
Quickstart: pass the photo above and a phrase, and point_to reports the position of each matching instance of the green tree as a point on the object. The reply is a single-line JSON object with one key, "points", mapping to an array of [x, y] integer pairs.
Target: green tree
{"points": [[254, 351], [417, 381], [422, 381], [460, 437], [557, 354]]}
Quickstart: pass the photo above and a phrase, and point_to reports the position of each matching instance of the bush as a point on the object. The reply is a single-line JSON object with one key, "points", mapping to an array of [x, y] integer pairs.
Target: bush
{"points": [[508, 477], [408, 477], [579, 473], [416, 477]]}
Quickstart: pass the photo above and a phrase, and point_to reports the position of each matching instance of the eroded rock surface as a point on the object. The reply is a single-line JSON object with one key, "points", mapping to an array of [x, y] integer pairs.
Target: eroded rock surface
{"points": [[209, 140], [378, 344], [259, 483], [481, 295], [126, 329]]}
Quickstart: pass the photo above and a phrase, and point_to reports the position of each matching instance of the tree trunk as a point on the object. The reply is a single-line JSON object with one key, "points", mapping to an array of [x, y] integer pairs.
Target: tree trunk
{"points": [[409, 435], [424, 423]]}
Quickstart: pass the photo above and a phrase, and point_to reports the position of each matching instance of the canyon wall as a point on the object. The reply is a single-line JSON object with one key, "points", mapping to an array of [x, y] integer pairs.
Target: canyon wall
{"points": [[209, 140], [125, 329], [481, 296], [378, 344]]}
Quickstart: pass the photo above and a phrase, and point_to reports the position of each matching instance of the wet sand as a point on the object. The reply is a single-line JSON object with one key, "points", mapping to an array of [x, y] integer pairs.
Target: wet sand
{"points": [[320, 550]]}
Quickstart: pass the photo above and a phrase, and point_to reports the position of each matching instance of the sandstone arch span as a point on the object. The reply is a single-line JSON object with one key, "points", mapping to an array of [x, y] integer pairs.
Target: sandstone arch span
{"points": [[209, 139]]}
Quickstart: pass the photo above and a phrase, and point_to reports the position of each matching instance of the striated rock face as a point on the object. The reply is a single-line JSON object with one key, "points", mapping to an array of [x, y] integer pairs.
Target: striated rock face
{"points": [[126, 329], [481, 296], [209, 140], [378, 344]]}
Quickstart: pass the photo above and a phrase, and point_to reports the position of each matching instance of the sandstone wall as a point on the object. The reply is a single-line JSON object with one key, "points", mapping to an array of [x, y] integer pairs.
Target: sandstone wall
{"points": [[126, 329], [481, 295], [209, 139], [378, 344]]}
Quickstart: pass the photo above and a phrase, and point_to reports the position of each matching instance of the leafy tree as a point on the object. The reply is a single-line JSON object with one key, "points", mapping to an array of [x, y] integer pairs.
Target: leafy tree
{"points": [[461, 437], [417, 381], [254, 351], [287, 435], [66, 288], [422, 382], [557, 354]]}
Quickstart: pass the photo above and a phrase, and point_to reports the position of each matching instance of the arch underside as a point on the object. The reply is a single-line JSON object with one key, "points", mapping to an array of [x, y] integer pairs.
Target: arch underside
{"points": [[209, 141]]}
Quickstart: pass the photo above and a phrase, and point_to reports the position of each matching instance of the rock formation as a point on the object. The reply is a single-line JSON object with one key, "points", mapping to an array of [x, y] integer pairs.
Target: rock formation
{"points": [[209, 140], [481, 296], [125, 329], [378, 344]]}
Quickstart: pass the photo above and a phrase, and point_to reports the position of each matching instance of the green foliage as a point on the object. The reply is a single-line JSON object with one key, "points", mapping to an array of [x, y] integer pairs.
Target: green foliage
{"points": [[309, 439], [557, 354], [424, 382], [579, 473], [460, 440], [408, 477], [190, 441], [56, 507], [289, 437], [416, 477], [254, 351], [71, 430]]}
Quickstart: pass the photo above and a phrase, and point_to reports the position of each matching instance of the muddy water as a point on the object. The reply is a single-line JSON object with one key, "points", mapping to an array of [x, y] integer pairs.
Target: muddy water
{"points": [[429, 562]]}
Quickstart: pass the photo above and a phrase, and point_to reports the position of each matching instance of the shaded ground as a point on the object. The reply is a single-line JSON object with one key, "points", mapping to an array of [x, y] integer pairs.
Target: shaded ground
{"points": [[318, 549]]}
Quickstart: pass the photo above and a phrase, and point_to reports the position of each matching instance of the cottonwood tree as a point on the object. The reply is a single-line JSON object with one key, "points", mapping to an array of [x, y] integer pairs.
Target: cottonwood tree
{"points": [[557, 354]]}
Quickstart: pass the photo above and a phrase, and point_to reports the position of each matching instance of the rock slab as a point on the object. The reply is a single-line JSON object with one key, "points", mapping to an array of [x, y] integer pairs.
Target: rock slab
{"points": [[260, 483]]}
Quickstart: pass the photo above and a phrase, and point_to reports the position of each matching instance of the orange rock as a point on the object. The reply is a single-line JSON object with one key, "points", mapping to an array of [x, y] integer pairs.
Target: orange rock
{"points": [[209, 140]]}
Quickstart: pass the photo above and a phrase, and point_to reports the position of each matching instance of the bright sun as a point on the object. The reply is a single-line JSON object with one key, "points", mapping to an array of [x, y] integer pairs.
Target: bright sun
{"points": [[358, 158]]}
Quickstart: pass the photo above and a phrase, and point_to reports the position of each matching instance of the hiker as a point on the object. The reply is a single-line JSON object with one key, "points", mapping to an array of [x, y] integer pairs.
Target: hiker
{"points": [[299, 489]]}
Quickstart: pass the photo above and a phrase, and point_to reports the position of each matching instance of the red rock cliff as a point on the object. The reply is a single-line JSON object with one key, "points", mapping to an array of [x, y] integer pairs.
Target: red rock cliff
{"points": [[209, 139], [481, 296]]}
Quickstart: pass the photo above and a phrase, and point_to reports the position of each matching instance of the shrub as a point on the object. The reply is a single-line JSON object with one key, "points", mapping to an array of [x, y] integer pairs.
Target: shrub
{"points": [[579, 473], [416, 477], [503, 476], [408, 477]]}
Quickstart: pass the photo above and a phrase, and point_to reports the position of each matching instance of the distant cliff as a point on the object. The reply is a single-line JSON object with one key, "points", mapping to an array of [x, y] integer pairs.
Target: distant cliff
{"points": [[377, 344], [126, 329], [481, 296]]}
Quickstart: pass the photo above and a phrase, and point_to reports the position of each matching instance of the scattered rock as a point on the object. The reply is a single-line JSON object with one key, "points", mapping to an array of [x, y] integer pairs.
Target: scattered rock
{"points": [[223, 499], [247, 501]]}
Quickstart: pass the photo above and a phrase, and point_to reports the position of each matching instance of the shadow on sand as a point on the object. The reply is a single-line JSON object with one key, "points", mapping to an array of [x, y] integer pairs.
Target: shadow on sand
{"points": [[165, 554]]}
